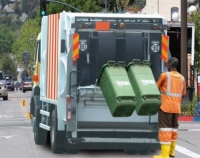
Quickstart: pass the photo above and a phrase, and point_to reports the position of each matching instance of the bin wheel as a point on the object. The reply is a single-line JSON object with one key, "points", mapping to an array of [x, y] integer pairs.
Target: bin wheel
{"points": [[40, 135], [130, 152], [57, 138]]}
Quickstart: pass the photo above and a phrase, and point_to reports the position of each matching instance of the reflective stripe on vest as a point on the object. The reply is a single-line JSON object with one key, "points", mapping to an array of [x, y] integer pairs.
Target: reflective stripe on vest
{"points": [[168, 93]]}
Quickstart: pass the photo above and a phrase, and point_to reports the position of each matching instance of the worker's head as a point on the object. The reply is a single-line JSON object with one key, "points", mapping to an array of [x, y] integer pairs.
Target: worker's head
{"points": [[172, 64]]}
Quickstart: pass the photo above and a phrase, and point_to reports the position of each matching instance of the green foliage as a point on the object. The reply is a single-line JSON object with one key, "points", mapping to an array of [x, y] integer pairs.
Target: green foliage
{"points": [[8, 66], [83, 5], [188, 109], [27, 39], [6, 39], [5, 20]]}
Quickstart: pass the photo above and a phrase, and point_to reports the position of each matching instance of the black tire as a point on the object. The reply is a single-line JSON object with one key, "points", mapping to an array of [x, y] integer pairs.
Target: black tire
{"points": [[32, 107], [5, 98], [24, 91], [57, 138], [40, 134]]}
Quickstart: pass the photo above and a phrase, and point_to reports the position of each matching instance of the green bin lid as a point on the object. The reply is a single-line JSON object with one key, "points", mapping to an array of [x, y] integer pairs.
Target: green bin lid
{"points": [[138, 62], [110, 63]]}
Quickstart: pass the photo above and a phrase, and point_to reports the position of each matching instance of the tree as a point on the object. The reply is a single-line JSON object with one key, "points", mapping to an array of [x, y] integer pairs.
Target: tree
{"points": [[83, 5], [16, 8], [25, 6], [5, 20], [8, 66], [27, 39], [6, 40]]}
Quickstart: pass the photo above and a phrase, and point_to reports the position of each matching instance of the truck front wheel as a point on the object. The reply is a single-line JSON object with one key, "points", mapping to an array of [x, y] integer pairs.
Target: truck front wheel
{"points": [[57, 137]]}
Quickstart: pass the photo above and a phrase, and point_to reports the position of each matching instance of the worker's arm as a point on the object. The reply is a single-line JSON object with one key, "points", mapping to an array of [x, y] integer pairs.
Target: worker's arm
{"points": [[160, 81], [184, 89]]}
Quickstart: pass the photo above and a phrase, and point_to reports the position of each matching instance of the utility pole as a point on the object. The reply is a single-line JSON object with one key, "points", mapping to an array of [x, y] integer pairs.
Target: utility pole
{"points": [[184, 68]]}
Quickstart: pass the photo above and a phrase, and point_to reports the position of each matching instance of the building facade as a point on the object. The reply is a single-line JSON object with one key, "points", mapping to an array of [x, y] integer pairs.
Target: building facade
{"points": [[163, 7]]}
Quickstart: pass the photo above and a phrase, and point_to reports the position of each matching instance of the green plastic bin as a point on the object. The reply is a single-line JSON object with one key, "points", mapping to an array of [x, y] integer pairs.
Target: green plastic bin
{"points": [[145, 87], [117, 90]]}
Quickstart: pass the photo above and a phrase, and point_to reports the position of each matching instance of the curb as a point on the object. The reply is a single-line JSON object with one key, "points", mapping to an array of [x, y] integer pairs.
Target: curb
{"points": [[189, 118]]}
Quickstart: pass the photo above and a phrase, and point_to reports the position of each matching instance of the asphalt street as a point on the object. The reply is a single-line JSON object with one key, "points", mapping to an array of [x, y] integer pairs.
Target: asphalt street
{"points": [[16, 136]]}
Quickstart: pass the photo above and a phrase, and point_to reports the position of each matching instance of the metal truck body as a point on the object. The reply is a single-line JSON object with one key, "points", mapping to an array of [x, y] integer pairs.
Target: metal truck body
{"points": [[74, 111]]}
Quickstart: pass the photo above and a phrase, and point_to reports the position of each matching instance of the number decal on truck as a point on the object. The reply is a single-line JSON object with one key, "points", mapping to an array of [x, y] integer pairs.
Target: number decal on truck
{"points": [[83, 45]]}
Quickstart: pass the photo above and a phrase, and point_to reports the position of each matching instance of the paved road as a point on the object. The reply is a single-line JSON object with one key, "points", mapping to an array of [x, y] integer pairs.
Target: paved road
{"points": [[16, 137]]}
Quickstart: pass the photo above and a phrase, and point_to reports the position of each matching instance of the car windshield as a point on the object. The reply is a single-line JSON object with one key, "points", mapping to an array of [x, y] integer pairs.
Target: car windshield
{"points": [[9, 80], [28, 80]]}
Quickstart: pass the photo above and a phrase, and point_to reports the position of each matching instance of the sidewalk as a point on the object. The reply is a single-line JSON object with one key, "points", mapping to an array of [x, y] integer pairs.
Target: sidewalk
{"points": [[189, 118]]}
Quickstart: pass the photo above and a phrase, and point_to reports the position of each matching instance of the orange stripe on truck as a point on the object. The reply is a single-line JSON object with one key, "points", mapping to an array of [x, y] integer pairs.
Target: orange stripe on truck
{"points": [[165, 48], [48, 58], [52, 56], [75, 54]]}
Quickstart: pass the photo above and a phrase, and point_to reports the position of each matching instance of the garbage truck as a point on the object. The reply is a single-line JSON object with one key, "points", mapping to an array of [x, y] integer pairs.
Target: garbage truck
{"points": [[95, 81]]}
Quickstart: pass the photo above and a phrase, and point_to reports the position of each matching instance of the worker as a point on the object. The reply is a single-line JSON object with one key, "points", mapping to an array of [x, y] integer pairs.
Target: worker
{"points": [[172, 87]]}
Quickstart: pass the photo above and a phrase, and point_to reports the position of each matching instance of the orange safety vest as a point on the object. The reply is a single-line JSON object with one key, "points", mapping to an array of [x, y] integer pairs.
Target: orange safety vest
{"points": [[172, 86]]}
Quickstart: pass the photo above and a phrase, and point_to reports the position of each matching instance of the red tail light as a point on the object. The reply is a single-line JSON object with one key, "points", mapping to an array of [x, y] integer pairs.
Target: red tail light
{"points": [[69, 108]]}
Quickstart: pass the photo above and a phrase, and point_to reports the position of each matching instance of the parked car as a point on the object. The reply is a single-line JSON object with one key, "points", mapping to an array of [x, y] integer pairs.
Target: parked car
{"points": [[27, 84], [7, 77], [3, 87], [10, 84]]}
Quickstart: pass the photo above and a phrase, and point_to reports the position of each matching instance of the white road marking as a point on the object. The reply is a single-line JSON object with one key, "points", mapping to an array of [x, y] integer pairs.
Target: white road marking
{"points": [[194, 130], [187, 152], [189, 125], [8, 137], [3, 116]]}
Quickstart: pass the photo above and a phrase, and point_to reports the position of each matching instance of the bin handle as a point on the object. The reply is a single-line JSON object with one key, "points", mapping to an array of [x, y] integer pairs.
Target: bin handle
{"points": [[121, 63], [111, 63], [146, 62], [136, 61]]}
